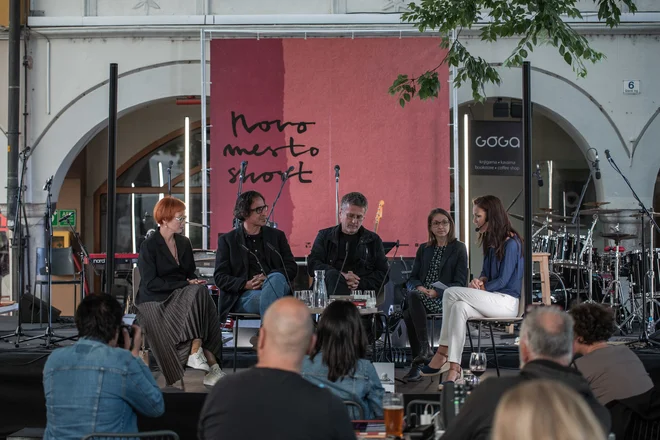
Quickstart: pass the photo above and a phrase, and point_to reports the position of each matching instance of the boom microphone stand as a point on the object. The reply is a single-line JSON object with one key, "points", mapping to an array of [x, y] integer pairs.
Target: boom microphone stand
{"points": [[241, 179], [285, 177], [337, 193], [18, 245], [644, 336]]}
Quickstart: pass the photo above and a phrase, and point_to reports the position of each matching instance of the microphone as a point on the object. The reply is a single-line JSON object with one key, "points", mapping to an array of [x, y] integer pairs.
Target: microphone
{"points": [[286, 274], [389, 266], [597, 166], [345, 258], [171, 163], [48, 183], [538, 175], [337, 173], [198, 225], [242, 172], [287, 172], [477, 229], [607, 155], [259, 263]]}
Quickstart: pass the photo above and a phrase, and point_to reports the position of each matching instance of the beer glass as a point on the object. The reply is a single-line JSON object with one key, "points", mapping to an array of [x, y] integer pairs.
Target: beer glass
{"points": [[393, 412]]}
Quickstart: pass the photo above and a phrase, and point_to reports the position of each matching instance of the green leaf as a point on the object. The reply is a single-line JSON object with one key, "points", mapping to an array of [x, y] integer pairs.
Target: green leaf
{"points": [[568, 58], [402, 102]]}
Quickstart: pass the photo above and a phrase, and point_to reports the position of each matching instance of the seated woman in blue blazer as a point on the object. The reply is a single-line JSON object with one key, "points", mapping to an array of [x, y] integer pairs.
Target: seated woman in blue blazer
{"points": [[442, 258]]}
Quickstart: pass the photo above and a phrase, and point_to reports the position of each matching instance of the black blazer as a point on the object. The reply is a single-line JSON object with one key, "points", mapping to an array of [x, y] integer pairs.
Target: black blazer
{"points": [[232, 264], [453, 266], [160, 275]]}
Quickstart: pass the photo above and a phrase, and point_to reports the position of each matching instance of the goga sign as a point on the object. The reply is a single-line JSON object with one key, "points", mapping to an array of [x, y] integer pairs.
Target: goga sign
{"points": [[496, 148]]}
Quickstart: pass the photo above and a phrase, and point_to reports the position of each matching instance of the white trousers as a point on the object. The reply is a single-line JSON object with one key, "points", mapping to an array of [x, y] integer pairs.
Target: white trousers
{"points": [[461, 303]]}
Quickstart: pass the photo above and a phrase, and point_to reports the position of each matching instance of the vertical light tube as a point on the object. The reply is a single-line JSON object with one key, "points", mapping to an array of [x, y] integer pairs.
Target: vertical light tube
{"points": [[133, 218], [550, 184], [466, 182], [186, 172], [204, 181], [161, 180]]}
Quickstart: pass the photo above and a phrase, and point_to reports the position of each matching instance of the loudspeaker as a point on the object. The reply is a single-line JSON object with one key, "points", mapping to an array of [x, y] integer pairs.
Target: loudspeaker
{"points": [[501, 109], [516, 109], [30, 307]]}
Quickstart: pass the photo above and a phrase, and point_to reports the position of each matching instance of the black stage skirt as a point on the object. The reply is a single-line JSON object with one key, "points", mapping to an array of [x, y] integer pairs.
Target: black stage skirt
{"points": [[170, 326]]}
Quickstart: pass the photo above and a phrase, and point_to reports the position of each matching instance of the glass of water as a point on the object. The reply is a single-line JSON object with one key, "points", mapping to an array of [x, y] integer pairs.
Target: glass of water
{"points": [[371, 298]]}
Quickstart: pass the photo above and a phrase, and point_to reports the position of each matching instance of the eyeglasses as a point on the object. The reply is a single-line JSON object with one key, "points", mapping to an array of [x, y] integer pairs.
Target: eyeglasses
{"points": [[181, 219], [444, 223], [260, 209], [358, 217]]}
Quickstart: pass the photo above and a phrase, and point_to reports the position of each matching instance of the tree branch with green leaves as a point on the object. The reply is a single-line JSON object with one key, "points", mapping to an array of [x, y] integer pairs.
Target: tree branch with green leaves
{"points": [[534, 22]]}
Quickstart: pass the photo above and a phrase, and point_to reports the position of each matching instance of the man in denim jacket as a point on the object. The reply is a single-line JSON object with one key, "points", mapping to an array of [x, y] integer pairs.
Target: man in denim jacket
{"points": [[95, 386]]}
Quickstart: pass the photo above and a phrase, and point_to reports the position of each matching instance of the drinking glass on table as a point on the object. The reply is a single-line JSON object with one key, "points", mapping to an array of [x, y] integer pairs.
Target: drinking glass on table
{"points": [[478, 365], [393, 414]]}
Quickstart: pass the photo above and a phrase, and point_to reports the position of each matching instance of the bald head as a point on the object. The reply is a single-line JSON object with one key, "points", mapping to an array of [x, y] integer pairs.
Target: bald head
{"points": [[547, 333], [287, 331]]}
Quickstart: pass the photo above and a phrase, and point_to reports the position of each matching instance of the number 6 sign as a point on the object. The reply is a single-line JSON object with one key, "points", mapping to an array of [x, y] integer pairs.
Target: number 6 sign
{"points": [[632, 87]]}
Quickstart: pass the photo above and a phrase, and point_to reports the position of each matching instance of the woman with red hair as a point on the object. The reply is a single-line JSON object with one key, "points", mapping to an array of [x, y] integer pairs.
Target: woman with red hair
{"points": [[175, 309]]}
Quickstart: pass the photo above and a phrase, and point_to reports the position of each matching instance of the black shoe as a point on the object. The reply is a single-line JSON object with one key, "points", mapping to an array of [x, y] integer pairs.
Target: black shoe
{"points": [[413, 375], [424, 357]]}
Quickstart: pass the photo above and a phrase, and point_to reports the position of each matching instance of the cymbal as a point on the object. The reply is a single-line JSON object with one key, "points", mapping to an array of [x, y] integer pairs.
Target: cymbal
{"points": [[603, 211], [639, 214], [555, 216], [596, 204], [522, 219], [618, 236], [548, 210]]}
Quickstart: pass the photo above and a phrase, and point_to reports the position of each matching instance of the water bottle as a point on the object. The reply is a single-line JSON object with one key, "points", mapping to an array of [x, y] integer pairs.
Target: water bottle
{"points": [[650, 328], [320, 291]]}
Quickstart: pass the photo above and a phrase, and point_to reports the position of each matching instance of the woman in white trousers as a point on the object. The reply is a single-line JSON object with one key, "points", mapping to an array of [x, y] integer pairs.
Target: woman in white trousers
{"points": [[494, 294]]}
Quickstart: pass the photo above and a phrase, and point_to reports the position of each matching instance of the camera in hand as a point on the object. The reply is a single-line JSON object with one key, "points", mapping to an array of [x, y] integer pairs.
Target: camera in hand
{"points": [[120, 340]]}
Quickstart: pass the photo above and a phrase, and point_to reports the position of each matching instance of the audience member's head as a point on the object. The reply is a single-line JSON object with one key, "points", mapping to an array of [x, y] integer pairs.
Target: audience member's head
{"points": [[286, 335], [99, 317], [546, 333], [544, 410], [594, 324], [341, 339]]}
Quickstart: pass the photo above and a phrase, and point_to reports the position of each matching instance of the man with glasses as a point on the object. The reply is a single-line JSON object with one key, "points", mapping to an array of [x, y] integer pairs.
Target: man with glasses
{"points": [[248, 270], [352, 257]]}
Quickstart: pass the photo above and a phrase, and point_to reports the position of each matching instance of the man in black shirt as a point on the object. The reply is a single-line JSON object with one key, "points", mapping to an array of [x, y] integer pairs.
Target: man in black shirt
{"points": [[272, 400], [352, 257], [248, 270]]}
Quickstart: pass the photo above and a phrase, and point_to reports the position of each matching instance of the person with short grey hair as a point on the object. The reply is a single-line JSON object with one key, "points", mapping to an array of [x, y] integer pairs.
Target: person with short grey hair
{"points": [[546, 349], [352, 256]]}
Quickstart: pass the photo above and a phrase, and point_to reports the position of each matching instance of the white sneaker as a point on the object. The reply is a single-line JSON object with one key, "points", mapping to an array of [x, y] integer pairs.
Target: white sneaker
{"points": [[198, 361], [213, 376]]}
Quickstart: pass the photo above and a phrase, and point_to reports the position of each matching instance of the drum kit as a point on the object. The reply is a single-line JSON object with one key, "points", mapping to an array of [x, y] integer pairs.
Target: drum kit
{"points": [[613, 276]]}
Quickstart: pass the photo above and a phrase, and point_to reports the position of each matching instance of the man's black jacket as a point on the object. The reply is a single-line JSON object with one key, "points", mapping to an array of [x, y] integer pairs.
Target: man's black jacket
{"points": [[475, 419], [232, 264], [371, 266]]}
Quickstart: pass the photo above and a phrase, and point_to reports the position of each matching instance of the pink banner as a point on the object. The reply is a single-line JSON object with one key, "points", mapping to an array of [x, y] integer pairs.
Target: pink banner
{"points": [[314, 104]]}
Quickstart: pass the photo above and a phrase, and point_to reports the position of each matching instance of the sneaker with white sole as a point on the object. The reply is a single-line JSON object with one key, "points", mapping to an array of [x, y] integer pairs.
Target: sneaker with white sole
{"points": [[213, 376], [198, 361]]}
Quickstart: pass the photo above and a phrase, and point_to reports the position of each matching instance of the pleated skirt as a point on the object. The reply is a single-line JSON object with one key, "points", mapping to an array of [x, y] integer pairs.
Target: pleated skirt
{"points": [[170, 326]]}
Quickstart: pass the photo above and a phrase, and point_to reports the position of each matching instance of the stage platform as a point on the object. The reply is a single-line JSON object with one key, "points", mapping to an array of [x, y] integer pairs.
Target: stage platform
{"points": [[22, 403]]}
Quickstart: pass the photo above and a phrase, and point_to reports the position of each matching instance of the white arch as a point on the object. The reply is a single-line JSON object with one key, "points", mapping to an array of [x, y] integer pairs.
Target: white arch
{"points": [[573, 110], [646, 161], [87, 115]]}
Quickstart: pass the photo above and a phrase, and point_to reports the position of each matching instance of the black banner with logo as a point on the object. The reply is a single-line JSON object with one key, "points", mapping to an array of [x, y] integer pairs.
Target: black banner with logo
{"points": [[496, 148]]}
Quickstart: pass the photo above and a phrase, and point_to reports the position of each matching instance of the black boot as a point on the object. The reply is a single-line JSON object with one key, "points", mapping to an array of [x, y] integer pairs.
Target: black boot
{"points": [[425, 354], [413, 375]]}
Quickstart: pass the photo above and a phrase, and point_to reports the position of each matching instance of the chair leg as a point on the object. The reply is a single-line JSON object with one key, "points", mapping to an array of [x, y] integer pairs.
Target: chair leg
{"points": [[479, 341], [492, 339], [467, 325], [235, 341], [432, 331]]}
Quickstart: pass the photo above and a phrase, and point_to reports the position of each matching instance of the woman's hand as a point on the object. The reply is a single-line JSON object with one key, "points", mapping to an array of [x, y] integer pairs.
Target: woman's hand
{"points": [[477, 283], [431, 293], [196, 281]]}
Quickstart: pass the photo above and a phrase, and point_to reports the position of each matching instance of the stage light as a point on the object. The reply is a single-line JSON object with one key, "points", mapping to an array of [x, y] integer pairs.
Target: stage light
{"points": [[186, 173], [133, 237]]}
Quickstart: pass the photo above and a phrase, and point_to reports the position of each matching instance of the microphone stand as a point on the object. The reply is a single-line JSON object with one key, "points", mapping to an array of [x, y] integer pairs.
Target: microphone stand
{"points": [[337, 194], [241, 178], [576, 221], [286, 274], [169, 178], [260, 266], [514, 201], [285, 177], [644, 336]]}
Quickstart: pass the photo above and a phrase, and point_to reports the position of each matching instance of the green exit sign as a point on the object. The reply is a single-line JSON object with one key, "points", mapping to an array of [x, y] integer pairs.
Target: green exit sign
{"points": [[63, 218]]}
